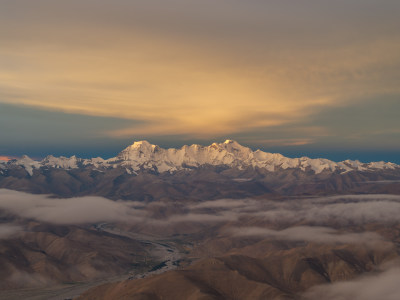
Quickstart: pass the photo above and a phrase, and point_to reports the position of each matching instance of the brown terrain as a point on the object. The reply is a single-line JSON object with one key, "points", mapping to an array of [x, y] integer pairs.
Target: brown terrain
{"points": [[218, 249], [207, 182], [51, 254], [282, 272], [210, 233]]}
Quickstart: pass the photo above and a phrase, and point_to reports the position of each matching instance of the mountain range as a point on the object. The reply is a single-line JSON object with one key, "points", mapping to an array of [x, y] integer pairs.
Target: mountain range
{"points": [[142, 155], [148, 172]]}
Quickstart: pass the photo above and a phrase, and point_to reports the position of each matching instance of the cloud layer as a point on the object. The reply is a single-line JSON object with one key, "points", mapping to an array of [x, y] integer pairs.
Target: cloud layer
{"points": [[384, 285], [8, 230], [201, 70], [343, 210], [310, 234], [80, 210], [309, 220]]}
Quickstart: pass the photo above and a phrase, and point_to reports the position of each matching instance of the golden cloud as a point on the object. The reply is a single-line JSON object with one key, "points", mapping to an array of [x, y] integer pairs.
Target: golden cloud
{"points": [[183, 83]]}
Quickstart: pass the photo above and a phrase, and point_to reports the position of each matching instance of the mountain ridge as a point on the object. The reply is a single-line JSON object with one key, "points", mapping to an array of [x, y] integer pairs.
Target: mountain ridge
{"points": [[142, 155]]}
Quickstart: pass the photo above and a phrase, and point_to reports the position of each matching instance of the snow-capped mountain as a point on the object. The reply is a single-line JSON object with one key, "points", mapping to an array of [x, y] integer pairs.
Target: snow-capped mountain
{"points": [[144, 156]]}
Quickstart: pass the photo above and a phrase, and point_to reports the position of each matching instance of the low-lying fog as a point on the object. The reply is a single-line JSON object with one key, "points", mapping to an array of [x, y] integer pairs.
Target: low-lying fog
{"points": [[295, 219], [345, 219]]}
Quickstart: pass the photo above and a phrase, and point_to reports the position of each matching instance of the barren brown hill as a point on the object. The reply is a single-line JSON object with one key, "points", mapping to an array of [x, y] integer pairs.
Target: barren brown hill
{"points": [[205, 183], [49, 254], [278, 274]]}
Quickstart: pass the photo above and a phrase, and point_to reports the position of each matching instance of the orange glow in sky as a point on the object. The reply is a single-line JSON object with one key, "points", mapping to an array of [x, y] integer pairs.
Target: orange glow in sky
{"points": [[274, 71], [5, 158]]}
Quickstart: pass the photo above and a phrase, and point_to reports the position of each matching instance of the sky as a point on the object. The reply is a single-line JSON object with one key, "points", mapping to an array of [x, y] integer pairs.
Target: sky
{"points": [[311, 77]]}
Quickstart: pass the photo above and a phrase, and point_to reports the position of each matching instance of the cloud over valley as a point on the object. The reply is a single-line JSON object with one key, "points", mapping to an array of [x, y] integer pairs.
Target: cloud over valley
{"points": [[323, 220]]}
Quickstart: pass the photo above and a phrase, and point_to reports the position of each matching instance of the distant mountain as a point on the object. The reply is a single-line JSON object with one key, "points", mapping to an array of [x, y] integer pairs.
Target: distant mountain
{"points": [[148, 172], [145, 156]]}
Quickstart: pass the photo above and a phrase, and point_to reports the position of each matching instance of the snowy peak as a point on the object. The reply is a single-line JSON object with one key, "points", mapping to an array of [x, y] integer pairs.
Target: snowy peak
{"points": [[141, 151], [142, 155], [142, 145], [27, 163], [61, 162], [235, 148]]}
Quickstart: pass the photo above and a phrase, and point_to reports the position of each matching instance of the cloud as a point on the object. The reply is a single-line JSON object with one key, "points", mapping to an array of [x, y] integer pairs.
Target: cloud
{"points": [[343, 210], [382, 181], [198, 69], [325, 211], [356, 198], [309, 234], [9, 230], [203, 218], [20, 125], [223, 203], [92, 209], [320, 213], [370, 122], [284, 142], [80, 210], [383, 286]]}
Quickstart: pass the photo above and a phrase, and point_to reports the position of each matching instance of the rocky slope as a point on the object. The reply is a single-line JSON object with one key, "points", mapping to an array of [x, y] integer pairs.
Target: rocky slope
{"points": [[277, 274], [46, 254]]}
